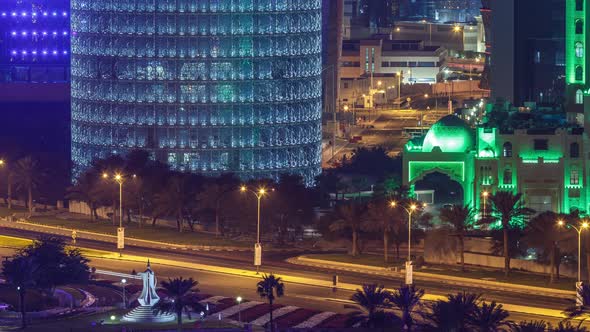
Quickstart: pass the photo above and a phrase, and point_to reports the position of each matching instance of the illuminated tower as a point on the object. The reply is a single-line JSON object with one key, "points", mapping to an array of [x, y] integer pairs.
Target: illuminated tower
{"points": [[207, 86], [34, 41], [576, 64]]}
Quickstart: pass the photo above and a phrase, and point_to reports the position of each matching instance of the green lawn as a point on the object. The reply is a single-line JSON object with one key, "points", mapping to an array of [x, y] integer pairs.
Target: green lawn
{"points": [[364, 259], [85, 324], [147, 232]]}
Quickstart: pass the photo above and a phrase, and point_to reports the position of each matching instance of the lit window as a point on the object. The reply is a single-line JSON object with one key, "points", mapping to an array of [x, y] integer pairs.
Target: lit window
{"points": [[579, 50], [507, 150], [574, 177], [579, 97]]}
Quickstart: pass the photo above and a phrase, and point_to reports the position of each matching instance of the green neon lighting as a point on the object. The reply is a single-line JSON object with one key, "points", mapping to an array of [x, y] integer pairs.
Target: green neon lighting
{"points": [[455, 169], [450, 134], [506, 186], [530, 161], [551, 161], [574, 186], [571, 62], [486, 142], [552, 155]]}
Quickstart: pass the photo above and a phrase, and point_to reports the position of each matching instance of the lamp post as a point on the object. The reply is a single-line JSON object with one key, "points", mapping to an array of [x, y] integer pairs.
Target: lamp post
{"points": [[239, 300], [399, 86], [123, 282], [8, 184], [584, 225], [257, 247], [411, 209], [120, 231], [485, 195]]}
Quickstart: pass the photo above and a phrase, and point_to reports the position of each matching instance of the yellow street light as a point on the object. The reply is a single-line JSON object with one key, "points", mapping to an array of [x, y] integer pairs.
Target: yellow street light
{"points": [[1, 162], [243, 188], [579, 230], [393, 204], [426, 95], [118, 177], [346, 108], [379, 83], [105, 175], [413, 207], [560, 222], [397, 29], [456, 28], [584, 225], [262, 191]]}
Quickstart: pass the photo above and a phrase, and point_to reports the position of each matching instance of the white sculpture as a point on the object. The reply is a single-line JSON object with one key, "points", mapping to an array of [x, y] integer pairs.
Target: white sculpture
{"points": [[148, 296]]}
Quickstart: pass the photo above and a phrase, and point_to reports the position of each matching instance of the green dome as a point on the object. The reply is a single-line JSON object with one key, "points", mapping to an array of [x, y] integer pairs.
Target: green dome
{"points": [[450, 134]]}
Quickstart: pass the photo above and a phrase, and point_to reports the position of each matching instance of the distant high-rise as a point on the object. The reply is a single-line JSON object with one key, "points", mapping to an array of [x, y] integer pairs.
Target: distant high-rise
{"points": [[577, 62], [207, 86], [34, 41]]}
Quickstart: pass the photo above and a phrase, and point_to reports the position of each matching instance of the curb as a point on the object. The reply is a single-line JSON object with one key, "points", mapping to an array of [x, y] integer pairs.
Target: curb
{"points": [[459, 281], [101, 237]]}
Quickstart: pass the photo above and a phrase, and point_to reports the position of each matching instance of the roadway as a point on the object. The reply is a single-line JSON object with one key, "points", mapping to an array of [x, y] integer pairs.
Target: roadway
{"points": [[302, 295]]}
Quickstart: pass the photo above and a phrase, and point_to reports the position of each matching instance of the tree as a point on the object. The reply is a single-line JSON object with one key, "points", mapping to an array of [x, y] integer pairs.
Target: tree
{"points": [[269, 288], [406, 299], [56, 264], [488, 317], [567, 326], [349, 218], [175, 199], [370, 304], [21, 273], [459, 218], [544, 234], [532, 326], [181, 298], [451, 315], [509, 210], [28, 175], [85, 190], [381, 218], [290, 206]]}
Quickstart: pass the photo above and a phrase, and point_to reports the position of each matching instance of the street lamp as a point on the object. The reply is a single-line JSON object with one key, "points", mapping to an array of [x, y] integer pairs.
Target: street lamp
{"points": [[239, 300], [485, 195], [584, 225], [399, 86], [123, 282], [257, 247], [120, 231], [410, 209]]}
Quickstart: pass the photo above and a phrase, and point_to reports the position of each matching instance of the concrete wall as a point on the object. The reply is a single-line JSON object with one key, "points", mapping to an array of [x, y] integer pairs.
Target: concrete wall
{"points": [[441, 247]]}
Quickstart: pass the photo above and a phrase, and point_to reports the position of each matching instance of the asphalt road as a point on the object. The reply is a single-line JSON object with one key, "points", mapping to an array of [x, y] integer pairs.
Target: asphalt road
{"points": [[307, 296]]}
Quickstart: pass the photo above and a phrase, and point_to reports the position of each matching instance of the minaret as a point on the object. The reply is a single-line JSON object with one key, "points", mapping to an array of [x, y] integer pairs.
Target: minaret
{"points": [[576, 59]]}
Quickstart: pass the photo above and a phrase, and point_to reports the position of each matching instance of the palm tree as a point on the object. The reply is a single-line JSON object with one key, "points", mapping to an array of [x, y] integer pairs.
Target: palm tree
{"points": [[370, 302], [21, 273], [544, 234], [181, 298], [489, 317], [28, 176], [532, 326], [451, 315], [460, 219], [270, 287], [509, 209], [380, 218], [349, 218], [406, 299]]}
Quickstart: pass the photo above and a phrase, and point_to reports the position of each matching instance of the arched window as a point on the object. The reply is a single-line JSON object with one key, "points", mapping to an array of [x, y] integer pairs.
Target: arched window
{"points": [[574, 177], [574, 150], [579, 97], [507, 150], [579, 50], [579, 27], [507, 176], [579, 5], [579, 73]]}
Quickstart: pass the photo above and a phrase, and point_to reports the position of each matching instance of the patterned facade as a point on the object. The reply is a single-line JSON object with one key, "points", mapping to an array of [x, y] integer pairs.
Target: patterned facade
{"points": [[208, 86]]}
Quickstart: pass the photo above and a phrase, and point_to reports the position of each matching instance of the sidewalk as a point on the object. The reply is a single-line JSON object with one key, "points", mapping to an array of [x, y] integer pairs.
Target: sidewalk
{"points": [[451, 280]]}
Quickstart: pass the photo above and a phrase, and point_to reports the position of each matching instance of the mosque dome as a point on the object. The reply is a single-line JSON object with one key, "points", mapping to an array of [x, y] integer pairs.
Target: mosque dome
{"points": [[449, 134]]}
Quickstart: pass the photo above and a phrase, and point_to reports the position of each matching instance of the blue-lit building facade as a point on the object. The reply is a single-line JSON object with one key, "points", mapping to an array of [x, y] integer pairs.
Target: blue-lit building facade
{"points": [[208, 86], [34, 41]]}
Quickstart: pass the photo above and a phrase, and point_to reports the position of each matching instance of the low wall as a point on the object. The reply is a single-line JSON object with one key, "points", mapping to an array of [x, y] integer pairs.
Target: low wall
{"points": [[441, 247]]}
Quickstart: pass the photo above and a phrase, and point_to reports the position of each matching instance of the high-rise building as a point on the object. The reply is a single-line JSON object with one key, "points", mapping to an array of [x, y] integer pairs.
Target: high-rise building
{"points": [[527, 58], [34, 41], [207, 86]]}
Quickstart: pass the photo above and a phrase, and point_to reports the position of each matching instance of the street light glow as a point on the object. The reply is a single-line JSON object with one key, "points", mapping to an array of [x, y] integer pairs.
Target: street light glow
{"points": [[560, 222], [457, 28], [105, 175], [413, 207], [1, 162], [239, 299], [393, 204], [585, 224], [243, 188], [118, 177], [426, 95], [485, 194], [262, 191]]}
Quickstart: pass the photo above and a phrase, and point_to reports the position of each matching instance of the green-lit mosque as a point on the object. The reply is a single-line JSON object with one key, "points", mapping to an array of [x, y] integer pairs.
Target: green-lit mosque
{"points": [[541, 153]]}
